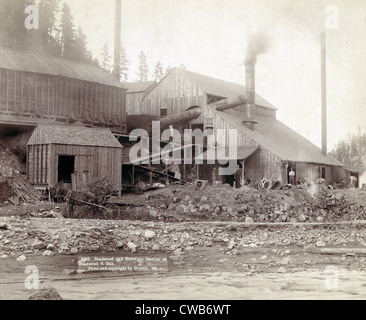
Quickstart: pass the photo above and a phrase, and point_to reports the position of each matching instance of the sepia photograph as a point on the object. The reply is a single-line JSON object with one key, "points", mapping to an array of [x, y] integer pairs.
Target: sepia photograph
{"points": [[182, 155]]}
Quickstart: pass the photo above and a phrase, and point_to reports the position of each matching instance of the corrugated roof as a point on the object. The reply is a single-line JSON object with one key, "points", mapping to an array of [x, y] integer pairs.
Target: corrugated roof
{"points": [[39, 63], [69, 135], [242, 152], [221, 88], [139, 86], [279, 139]]}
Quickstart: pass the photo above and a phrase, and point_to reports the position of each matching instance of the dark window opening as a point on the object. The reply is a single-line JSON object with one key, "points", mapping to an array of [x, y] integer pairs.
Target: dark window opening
{"points": [[163, 112], [66, 166], [323, 172]]}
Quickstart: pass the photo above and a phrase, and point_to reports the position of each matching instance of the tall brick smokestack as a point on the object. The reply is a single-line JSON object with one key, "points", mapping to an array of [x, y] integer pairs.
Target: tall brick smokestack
{"points": [[117, 39]]}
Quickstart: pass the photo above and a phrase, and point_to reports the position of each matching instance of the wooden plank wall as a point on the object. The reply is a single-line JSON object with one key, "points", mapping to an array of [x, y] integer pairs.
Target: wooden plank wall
{"points": [[98, 161], [133, 102], [175, 93], [40, 95], [38, 164], [262, 164]]}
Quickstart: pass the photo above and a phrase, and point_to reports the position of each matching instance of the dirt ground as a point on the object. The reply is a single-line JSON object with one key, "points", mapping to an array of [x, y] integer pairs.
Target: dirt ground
{"points": [[203, 273], [182, 258], [251, 272]]}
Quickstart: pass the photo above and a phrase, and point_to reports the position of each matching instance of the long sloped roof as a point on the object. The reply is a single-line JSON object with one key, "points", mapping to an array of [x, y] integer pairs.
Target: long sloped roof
{"points": [[221, 88], [279, 139], [69, 135], [242, 152], [139, 86], [39, 63]]}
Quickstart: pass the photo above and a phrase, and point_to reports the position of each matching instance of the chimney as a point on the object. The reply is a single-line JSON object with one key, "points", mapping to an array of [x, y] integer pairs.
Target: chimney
{"points": [[250, 120], [117, 39]]}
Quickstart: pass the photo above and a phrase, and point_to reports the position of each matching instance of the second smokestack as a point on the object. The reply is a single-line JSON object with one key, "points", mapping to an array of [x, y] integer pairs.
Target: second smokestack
{"points": [[117, 39]]}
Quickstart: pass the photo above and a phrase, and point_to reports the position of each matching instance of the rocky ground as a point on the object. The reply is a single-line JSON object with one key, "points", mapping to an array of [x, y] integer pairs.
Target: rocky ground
{"points": [[193, 232]]}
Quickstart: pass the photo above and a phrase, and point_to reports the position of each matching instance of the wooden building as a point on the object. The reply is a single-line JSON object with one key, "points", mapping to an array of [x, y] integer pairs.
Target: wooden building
{"points": [[74, 155], [267, 150], [40, 89], [277, 148], [181, 89], [134, 95]]}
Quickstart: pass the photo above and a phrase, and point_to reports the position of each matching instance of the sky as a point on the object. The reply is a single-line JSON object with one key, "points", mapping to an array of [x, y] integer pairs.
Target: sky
{"points": [[210, 37]]}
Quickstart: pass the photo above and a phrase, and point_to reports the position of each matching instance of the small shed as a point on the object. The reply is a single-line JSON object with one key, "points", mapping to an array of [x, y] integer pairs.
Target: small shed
{"points": [[73, 155]]}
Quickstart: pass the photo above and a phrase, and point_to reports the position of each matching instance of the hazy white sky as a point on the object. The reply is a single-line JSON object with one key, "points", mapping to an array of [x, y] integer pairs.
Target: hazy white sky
{"points": [[209, 37]]}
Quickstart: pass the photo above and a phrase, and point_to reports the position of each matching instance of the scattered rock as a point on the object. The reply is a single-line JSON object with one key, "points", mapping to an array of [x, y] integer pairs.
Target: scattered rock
{"points": [[153, 213], [178, 252], [156, 247], [249, 220], [264, 257], [22, 258], [131, 246], [4, 256], [320, 243], [74, 251], [48, 253], [39, 245], [281, 270], [68, 272], [119, 244], [50, 247], [149, 234], [285, 261], [46, 294]]}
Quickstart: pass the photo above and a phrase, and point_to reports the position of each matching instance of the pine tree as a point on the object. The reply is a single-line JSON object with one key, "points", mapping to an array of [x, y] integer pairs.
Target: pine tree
{"points": [[67, 33], [13, 34], [352, 151], [143, 69], [106, 57], [168, 69], [47, 29], [81, 52], [158, 73], [124, 64]]}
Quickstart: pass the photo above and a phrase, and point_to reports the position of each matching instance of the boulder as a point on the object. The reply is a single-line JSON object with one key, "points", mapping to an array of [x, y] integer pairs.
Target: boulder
{"points": [[149, 234], [46, 294]]}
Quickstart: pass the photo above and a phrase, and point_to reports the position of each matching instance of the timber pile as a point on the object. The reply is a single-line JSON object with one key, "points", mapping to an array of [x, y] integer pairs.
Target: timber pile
{"points": [[17, 190]]}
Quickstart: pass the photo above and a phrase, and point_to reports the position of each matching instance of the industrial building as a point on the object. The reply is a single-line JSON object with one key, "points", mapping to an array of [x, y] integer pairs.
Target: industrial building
{"points": [[74, 155], [43, 91], [40, 89], [267, 148], [61, 114]]}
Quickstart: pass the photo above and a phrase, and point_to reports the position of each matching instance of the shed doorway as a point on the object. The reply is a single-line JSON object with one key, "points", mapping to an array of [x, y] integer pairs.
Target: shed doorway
{"points": [[66, 166]]}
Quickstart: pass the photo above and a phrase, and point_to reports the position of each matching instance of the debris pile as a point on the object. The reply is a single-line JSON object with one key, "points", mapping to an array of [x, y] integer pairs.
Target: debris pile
{"points": [[10, 164], [294, 205], [16, 190]]}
